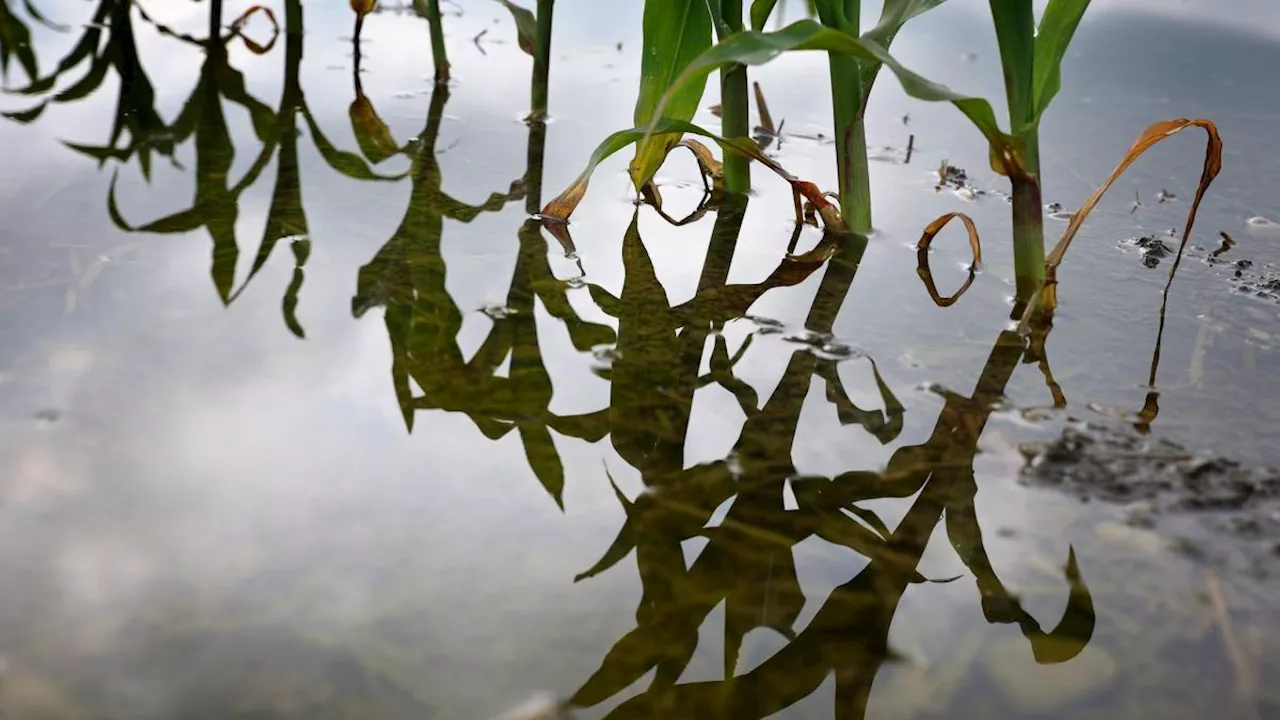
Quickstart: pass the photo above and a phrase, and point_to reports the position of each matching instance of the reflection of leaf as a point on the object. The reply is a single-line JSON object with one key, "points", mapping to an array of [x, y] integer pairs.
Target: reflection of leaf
{"points": [[621, 546], [84, 48], [372, 134], [545, 461], [347, 163], [15, 40], [885, 426], [1073, 631]]}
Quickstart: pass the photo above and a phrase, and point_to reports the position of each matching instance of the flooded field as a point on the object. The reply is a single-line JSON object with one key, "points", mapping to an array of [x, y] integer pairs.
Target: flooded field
{"points": [[314, 405]]}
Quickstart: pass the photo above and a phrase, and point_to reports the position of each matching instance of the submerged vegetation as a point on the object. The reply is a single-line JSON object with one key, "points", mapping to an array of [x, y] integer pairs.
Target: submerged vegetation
{"points": [[657, 353]]}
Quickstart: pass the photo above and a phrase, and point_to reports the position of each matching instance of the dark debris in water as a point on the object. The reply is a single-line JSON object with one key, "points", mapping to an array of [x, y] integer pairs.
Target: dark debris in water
{"points": [[1223, 512], [1152, 247]]}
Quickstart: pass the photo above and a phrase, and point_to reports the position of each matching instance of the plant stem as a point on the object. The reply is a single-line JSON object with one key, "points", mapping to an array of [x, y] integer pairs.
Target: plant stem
{"points": [[1028, 239], [735, 107], [854, 183], [735, 123], [1015, 32], [438, 55], [542, 60]]}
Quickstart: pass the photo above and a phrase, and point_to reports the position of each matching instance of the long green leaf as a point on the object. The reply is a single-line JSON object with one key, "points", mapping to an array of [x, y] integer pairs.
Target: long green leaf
{"points": [[760, 11], [526, 26], [893, 16], [755, 48], [1057, 26], [675, 32]]}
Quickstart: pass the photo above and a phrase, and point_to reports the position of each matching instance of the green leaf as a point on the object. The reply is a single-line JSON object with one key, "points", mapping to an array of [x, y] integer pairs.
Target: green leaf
{"points": [[526, 26], [893, 16], [563, 205], [1057, 26], [756, 48], [675, 33], [760, 10]]}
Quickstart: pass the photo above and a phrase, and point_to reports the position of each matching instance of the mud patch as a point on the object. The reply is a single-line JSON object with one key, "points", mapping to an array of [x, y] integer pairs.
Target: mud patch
{"points": [[1213, 509]]}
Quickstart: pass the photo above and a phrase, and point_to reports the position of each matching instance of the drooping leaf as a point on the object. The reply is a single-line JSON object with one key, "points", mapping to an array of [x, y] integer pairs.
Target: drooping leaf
{"points": [[893, 16], [526, 26], [675, 32], [1048, 297], [1057, 25], [562, 206], [758, 48]]}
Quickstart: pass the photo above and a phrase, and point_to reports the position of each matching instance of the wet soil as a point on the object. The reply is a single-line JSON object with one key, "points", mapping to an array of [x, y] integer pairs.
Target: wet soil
{"points": [[1212, 509]]}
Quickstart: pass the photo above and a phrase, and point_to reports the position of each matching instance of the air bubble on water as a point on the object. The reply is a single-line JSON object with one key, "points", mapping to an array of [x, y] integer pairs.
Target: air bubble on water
{"points": [[606, 355], [498, 312]]}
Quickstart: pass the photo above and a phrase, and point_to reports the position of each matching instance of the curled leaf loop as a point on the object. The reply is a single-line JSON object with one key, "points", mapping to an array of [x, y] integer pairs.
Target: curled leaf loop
{"points": [[922, 257]]}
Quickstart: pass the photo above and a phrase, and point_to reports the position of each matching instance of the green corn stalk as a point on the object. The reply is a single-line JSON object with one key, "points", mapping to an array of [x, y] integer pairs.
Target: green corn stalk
{"points": [[1032, 61], [735, 108], [851, 80]]}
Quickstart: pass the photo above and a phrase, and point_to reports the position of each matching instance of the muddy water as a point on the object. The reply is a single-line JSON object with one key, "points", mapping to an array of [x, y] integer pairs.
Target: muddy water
{"points": [[298, 425]]}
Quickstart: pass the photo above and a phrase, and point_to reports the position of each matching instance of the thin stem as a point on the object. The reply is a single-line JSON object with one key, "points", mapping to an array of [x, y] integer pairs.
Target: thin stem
{"points": [[542, 60], [438, 55]]}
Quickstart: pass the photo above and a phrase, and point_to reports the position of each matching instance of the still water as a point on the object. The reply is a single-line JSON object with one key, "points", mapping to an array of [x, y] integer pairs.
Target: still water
{"points": [[306, 418]]}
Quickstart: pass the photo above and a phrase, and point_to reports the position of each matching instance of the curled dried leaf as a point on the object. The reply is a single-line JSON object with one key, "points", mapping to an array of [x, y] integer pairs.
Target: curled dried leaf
{"points": [[922, 256], [237, 29], [1047, 297], [712, 169]]}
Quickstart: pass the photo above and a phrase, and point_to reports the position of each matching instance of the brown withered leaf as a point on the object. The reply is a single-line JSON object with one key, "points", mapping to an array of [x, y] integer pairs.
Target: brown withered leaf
{"points": [[922, 256], [1047, 297], [253, 46]]}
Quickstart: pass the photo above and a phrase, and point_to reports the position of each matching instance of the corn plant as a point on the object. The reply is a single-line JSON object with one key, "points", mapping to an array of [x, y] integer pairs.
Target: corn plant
{"points": [[851, 81]]}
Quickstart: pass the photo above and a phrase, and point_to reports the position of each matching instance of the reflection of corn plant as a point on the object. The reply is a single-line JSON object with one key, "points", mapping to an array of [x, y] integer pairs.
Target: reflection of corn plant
{"points": [[748, 561], [408, 278], [15, 39], [851, 81], [216, 203]]}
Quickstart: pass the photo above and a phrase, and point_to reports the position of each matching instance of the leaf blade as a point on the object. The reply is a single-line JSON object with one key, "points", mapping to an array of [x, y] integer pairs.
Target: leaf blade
{"points": [[675, 33], [1057, 26]]}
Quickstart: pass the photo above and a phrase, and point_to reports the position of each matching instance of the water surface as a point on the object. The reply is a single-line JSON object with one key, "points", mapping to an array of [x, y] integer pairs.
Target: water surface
{"points": [[301, 426]]}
